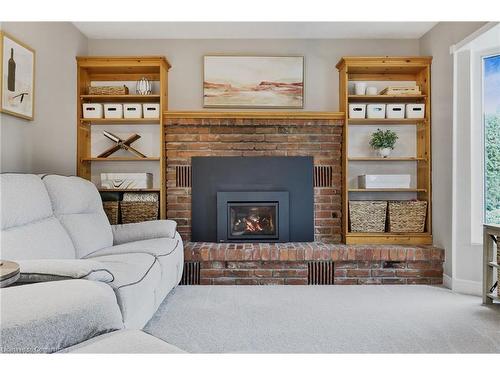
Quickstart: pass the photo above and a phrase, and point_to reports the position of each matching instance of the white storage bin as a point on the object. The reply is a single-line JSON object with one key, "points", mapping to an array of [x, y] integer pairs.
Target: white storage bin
{"points": [[415, 110], [113, 110], [126, 180], [92, 110], [151, 110], [375, 110], [384, 181], [357, 110], [395, 111], [132, 110]]}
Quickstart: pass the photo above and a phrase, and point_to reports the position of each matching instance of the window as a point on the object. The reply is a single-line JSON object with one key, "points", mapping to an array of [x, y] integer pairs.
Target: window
{"points": [[491, 123]]}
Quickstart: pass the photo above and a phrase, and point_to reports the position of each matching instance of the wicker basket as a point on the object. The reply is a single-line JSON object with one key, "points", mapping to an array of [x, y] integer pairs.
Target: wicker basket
{"points": [[407, 216], [108, 90], [367, 216], [112, 210], [134, 212]]}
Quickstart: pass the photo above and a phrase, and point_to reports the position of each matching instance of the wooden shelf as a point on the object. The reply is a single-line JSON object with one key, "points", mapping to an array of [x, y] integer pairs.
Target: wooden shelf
{"points": [[386, 121], [388, 238], [121, 121], [411, 190], [120, 98], [386, 159], [153, 190], [122, 159], [385, 98]]}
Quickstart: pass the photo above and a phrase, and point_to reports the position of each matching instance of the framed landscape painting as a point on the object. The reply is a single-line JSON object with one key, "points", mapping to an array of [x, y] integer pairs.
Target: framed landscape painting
{"points": [[253, 81], [17, 77]]}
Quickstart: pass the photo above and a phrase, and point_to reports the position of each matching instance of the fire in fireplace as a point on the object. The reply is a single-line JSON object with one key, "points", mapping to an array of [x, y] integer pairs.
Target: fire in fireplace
{"points": [[252, 216]]}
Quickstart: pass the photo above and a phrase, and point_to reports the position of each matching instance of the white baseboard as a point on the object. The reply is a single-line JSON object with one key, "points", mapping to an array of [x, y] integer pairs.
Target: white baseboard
{"points": [[474, 288]]}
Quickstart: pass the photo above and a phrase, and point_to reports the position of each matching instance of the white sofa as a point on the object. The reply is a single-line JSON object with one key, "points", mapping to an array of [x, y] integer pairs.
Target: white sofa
{"points": [[56, 229]]}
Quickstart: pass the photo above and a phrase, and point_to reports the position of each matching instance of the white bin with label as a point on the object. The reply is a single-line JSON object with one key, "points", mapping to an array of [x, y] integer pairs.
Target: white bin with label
{"points": [[375, 110], [132, 110], [151, 110], [384, 181], [415, 110], [113, 110], [357, 110], [92, 110], [395, 111]]}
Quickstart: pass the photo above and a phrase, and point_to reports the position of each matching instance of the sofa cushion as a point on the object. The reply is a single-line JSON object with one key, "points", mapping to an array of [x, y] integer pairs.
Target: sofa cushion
{"points": [[48, 317], [145, 230], [43, 270], [136, 284], [124, 341], [29, 229], [77, 204]]}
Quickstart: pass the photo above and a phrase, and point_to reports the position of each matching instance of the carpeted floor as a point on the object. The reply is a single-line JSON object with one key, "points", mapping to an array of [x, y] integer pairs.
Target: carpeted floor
{"points": [[326, 319]]}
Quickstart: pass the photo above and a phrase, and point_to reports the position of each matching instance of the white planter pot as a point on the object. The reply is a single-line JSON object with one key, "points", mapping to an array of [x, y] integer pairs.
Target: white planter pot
{"points": [[384, 152], [360, 88]]}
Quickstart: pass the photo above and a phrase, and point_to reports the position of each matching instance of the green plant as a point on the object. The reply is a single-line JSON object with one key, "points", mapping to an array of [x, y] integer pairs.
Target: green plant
{"points": [[383, 139]]}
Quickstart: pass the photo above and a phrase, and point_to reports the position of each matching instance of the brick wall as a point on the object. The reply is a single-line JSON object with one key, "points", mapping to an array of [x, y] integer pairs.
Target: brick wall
{"points": [[322, 139]]}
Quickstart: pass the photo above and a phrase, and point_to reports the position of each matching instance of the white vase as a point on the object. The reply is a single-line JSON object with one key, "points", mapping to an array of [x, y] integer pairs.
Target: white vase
{"points": [[384, 152], [360, 88]]}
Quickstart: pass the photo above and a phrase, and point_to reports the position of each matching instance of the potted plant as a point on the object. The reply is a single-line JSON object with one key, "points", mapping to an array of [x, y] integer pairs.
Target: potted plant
{"points": [[383, 142]]}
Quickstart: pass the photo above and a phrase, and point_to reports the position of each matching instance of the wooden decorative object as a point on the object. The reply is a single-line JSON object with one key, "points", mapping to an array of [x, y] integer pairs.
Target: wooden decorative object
{"points": [[121, 144], [9, 273], [415, 69]]}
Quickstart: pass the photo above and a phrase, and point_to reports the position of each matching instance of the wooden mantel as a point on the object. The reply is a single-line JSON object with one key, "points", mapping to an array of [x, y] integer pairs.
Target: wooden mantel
{"points": [[302, 115]]}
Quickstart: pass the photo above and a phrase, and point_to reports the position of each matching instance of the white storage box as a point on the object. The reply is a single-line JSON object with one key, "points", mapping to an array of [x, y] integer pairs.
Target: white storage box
{"points": [[384, 181], [357, 110], [132, 110], [395, 111], [375, 110], [151, 110], [415, 110], [126, 180], [92, 110], [113, 110]]}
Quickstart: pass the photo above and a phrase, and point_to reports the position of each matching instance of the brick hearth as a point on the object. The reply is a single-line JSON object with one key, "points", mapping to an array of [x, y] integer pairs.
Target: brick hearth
{"points": [[261, 263]]}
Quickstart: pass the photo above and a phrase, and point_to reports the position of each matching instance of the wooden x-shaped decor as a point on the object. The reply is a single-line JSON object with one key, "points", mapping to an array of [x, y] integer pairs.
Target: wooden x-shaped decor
{"points": [[121, 144]]}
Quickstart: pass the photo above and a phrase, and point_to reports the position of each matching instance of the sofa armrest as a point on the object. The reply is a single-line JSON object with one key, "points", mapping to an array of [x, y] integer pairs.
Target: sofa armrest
{"points": [[143, 231], [43, 270]]}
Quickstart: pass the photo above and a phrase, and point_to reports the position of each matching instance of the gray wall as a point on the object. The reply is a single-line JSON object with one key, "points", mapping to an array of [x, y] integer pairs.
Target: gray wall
{"points": [[47, 144], [321, 77], [437, 43]]}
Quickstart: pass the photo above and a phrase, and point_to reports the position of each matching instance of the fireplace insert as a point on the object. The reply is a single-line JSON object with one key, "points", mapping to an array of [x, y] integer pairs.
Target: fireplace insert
{"points": [[252, 216]]}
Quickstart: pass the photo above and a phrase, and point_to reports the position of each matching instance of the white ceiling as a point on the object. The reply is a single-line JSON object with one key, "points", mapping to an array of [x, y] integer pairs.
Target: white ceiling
{"points": [[254, 30]]}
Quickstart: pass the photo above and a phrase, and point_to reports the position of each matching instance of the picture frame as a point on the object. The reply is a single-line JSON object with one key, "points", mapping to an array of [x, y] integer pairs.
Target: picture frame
{"points": [[17, 77], [253, 81]]}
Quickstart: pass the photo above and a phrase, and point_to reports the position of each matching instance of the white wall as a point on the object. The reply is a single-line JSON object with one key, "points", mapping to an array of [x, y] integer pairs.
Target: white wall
{"points": [[47, 144], [321, 78], [437, 43]]}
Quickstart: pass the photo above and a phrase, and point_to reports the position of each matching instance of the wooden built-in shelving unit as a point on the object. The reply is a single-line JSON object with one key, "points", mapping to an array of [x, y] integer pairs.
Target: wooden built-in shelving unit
{"points": [[122, 69], [393, 70]]}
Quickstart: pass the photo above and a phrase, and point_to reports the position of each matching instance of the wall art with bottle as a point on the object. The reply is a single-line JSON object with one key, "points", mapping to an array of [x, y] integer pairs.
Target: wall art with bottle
{"points": [[17, 77]]}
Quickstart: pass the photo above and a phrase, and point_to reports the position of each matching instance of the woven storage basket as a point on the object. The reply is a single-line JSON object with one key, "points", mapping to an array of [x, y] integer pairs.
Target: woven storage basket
{"points": [[134, 212], [112, 210], [108, 90], [367, 216], [407, 216]]}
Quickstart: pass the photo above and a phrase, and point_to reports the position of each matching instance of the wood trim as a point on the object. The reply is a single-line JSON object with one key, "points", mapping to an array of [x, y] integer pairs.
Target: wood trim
{"points": [[256, 115], [93, 61], [383, 60]]}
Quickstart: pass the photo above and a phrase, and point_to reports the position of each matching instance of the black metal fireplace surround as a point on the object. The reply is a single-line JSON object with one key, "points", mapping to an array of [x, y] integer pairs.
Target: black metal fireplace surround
{"points": [[252, 199]]}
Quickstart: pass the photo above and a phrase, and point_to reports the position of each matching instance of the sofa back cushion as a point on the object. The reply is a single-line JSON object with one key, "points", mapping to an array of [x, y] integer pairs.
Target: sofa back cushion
{"points": [[29, 228], [78, 206]]}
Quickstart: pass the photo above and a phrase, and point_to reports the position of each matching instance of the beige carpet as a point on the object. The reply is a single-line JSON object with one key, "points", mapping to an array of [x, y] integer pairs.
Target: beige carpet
{"points": [[326, 319]]}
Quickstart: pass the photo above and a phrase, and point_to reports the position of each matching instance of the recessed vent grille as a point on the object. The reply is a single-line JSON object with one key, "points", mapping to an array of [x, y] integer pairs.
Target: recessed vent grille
{"points": [[323, 175], [183, 176], [191, 274], [320, 273]]}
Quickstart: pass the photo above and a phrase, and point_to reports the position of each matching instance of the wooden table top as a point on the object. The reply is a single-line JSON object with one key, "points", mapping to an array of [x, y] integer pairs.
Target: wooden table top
{"points": [[8, 269]]}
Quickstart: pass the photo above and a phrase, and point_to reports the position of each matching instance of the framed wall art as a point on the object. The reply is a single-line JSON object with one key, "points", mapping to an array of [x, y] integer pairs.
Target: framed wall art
{"points": [[253, 81], [17, 77]]}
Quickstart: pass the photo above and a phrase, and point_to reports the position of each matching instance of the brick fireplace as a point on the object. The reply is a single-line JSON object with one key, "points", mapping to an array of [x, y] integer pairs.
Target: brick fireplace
{"points": [[324, 261]]}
